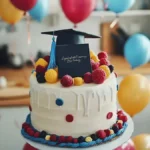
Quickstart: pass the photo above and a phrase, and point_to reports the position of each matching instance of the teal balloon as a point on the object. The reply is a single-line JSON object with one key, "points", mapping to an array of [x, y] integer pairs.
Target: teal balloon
{"points": [[119, 6], [40, 10], [137, 50]]}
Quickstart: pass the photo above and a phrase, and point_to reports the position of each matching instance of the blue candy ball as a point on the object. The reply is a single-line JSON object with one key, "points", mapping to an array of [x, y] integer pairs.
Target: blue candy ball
{"points": [[59, 102]]}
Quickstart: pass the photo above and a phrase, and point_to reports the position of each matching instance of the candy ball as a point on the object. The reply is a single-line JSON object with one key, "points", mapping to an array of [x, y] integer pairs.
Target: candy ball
{"points": [[67, 81], [92, 54], [111, 67], [104, 61], [102, 55], [88, 139], [88, 77], [101, 134], [41, 62], [78, 81], [95, 58], [47, 58], [51, 76], [47, 138], [111, 132], [40, 78], [41, 69], [95, 65], [98, 76], [106, 70]]}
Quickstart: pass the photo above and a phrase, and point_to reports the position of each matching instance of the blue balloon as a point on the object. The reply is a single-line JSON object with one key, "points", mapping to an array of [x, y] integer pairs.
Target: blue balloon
{"points": [[119, 6], [137, 50], [40, 10]]}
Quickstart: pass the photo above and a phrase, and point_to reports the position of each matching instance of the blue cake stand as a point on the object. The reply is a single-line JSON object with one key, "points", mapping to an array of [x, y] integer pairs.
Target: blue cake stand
{"points": [[107, 146]]}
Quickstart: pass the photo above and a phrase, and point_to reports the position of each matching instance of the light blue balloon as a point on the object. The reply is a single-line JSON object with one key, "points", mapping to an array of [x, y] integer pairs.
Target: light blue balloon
{"points": [[119, 6], [137, 50], [40, 10]]}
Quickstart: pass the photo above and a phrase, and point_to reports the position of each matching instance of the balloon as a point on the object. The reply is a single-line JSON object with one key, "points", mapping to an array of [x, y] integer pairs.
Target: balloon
{"points": [[142, 142], [127, 146], [40, 10], [9, 13], [24, 5], [137, 50], [119, 6], [134, 93], [28, 147], [77, 10]]}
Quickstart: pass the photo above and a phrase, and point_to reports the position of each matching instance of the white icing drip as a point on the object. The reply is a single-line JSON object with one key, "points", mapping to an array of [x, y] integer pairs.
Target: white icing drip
{"points": [[86, 98], [111, 93], [99, 101]]}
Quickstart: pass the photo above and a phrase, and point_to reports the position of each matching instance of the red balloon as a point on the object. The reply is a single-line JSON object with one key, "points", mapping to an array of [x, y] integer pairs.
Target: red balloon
{"points": [[28, 147], [127, 146], [77, 10], [24, 5]]}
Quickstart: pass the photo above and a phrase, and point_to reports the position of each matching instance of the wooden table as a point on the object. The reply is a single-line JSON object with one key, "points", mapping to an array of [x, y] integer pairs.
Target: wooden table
{"points": [[122, 67], [16, 75]]}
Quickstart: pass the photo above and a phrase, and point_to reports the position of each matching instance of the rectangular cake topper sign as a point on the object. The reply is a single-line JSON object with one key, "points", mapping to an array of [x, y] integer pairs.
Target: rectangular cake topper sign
{"points": [[73, 60]]}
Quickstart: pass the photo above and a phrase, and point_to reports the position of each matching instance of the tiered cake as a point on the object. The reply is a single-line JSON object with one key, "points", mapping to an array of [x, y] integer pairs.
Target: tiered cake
{"points": [[69, 110]]}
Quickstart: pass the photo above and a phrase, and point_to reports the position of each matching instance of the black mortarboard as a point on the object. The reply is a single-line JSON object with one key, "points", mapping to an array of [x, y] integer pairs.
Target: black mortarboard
{"points": [[70, 36], [72, 54]]}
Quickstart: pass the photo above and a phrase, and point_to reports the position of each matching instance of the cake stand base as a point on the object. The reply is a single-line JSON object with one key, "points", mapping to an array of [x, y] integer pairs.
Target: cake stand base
{"points": [[106, 146]]}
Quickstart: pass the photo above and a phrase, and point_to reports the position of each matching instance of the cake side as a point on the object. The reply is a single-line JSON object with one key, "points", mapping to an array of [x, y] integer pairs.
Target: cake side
{"points": [[91, 107]]}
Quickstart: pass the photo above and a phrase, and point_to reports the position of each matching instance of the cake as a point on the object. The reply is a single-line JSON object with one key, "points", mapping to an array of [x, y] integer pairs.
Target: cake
{"points": [[73, 96]]}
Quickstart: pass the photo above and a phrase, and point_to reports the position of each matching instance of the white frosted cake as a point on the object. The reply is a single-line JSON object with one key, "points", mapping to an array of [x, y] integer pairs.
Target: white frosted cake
{"points": [[72, 111]]}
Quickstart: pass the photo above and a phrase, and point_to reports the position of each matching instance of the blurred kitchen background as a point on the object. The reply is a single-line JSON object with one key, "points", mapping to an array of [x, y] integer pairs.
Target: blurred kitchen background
{"points": [[16, 55]]}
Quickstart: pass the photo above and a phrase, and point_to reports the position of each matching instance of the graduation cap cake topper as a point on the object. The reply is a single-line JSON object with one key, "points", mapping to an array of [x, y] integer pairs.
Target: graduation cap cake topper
{"points": [[70, 53]]}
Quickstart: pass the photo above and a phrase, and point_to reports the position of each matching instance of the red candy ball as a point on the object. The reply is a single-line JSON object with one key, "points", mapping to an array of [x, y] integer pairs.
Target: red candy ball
{"points": [[88, 77], [120, 116], [31, 133], [25, 125], [104, 61], [119, 125], [53, 138], [102, 55], [41, 69], [124, 118], [36, 134], [120, 112], [107, 132], [69, 139], [98, 76], [101, 134], [75, 140], [69, 118], [28, 130], [67, 81], [61, 139], [47, 58], [95, 66]]}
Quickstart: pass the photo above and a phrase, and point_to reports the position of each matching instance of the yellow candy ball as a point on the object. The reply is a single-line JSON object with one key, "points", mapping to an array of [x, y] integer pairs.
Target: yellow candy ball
{"points": [[95, 58], [120, 121], [41, 62], [51, 76], [78, 81], [92, 54], [47, 138], [111, 132], [88, 139], [106, 70]]}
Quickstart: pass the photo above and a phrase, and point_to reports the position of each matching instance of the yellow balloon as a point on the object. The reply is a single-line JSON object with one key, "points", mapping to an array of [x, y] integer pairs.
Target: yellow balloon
{"points": [[10, 13], [134, 93], [142, 142]]}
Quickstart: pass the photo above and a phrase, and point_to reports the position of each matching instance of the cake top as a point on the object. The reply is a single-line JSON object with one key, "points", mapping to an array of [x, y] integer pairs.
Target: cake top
{"points": [[71, 61]]}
